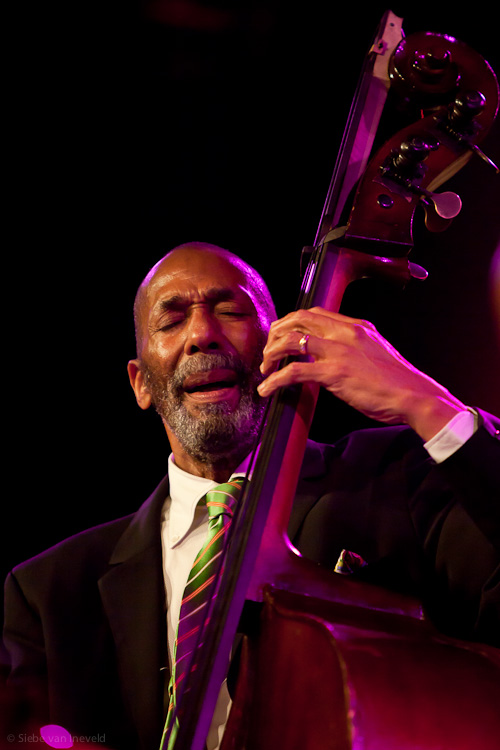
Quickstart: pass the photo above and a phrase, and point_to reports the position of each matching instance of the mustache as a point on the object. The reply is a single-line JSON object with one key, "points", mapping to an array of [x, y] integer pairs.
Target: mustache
{"points": [[206, 362]]}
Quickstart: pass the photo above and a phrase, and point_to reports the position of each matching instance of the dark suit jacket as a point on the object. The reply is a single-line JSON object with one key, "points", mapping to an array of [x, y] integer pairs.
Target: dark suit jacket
{"points": [[88, 616]]}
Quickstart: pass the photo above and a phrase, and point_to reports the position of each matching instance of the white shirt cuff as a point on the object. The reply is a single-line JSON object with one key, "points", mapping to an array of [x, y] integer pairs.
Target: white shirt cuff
{"points": [[452, 436]]}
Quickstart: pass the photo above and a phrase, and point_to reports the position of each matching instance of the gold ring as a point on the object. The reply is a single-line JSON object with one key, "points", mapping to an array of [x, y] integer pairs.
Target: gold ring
{"points": [[303, 344]]}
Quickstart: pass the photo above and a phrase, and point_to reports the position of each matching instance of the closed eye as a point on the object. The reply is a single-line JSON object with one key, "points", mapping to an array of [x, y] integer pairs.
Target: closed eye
{"points": [[232, 311], [170, 322]]}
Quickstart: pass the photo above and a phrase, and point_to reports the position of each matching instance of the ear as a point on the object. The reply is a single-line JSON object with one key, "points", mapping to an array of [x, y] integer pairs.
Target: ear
{"points": [[136, 378]]}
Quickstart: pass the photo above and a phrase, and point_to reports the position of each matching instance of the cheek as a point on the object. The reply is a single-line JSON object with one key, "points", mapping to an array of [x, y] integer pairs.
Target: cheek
{"points": [[160, 358], [251, 345]]}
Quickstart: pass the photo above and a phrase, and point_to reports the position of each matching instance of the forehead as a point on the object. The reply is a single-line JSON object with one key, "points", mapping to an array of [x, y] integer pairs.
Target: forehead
{"points": [[190, 275]]}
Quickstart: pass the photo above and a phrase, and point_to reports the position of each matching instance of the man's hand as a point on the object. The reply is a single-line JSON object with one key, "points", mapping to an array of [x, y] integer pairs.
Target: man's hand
{"points": [[352, 360]]}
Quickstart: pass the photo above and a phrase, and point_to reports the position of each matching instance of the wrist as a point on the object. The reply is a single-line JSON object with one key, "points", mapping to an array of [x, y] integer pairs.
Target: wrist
{"points": [[428, 415]]}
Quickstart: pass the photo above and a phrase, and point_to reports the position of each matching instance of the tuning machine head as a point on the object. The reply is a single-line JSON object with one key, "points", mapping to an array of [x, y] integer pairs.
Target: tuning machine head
{"points": [[461, 124], [404, 167], [403, 173]]}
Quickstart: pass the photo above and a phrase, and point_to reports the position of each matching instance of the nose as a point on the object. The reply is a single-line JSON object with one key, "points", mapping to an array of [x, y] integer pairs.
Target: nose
{"points": [[204, 333]]}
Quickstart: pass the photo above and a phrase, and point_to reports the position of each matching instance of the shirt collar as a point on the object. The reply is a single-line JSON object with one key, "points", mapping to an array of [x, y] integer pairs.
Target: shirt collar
{"points": [[186, 490]]}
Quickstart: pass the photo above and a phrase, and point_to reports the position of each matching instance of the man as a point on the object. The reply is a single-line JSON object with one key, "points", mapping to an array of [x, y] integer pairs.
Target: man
{"points": [[95, 617]]}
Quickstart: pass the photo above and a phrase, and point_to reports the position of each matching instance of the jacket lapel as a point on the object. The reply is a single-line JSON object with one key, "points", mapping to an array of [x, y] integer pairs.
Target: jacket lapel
{"points": [[133, 596]]}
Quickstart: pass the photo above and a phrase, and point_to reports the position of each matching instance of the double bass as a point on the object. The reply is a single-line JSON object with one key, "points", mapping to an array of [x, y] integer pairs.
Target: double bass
{"points": [[331, 662]]}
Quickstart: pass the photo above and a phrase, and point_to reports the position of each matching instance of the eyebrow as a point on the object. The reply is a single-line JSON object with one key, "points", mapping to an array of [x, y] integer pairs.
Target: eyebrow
{"points": [[214, 294]]}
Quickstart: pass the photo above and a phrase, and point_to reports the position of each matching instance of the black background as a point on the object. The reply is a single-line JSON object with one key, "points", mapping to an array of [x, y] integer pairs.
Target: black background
{"points": [[132, 128]]}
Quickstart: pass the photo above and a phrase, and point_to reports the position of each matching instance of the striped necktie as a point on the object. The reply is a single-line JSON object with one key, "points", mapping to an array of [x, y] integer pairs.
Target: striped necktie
{"points": [[220, 503]]}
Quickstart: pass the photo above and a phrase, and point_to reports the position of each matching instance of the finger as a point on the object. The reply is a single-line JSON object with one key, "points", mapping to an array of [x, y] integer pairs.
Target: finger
{"points": [[301, 321], [322, 331], [339, 317], [292, 374], [292, 343], [314, 320], [321, 324]]}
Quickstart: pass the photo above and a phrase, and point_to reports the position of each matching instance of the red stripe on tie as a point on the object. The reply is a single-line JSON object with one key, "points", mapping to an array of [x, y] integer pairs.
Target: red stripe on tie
{"points": [[187, 635], [217, 536], [200, 588], [213, 504]]}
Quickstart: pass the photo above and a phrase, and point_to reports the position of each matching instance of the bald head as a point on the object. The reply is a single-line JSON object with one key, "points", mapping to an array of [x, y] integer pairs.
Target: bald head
{"points": [[185, 256]]}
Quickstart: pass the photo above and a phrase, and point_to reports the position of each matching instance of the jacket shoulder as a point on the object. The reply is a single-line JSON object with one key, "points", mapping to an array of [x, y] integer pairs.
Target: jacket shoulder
{"points": [[89, 549]]}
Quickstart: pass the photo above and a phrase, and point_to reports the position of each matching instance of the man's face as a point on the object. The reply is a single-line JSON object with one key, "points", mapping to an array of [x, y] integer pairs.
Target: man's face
{"points": [[203, 336]]}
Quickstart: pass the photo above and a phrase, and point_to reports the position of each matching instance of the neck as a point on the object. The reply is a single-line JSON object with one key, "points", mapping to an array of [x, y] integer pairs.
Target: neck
{"points": [[219, 472], [217, 468]]}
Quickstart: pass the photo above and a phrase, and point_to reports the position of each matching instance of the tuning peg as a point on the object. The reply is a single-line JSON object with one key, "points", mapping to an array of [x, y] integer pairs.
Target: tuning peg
{"points": [[417, 272], [467, 105], [413, 152], [440, 209]]}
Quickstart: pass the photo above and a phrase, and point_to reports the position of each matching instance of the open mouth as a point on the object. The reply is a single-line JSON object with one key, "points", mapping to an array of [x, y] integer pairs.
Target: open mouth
{"points": [[206, 387], [215, 383]]}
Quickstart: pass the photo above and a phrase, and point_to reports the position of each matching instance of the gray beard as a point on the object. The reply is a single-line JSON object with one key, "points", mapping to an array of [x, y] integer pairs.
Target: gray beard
{"points": [[215, 434]]}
